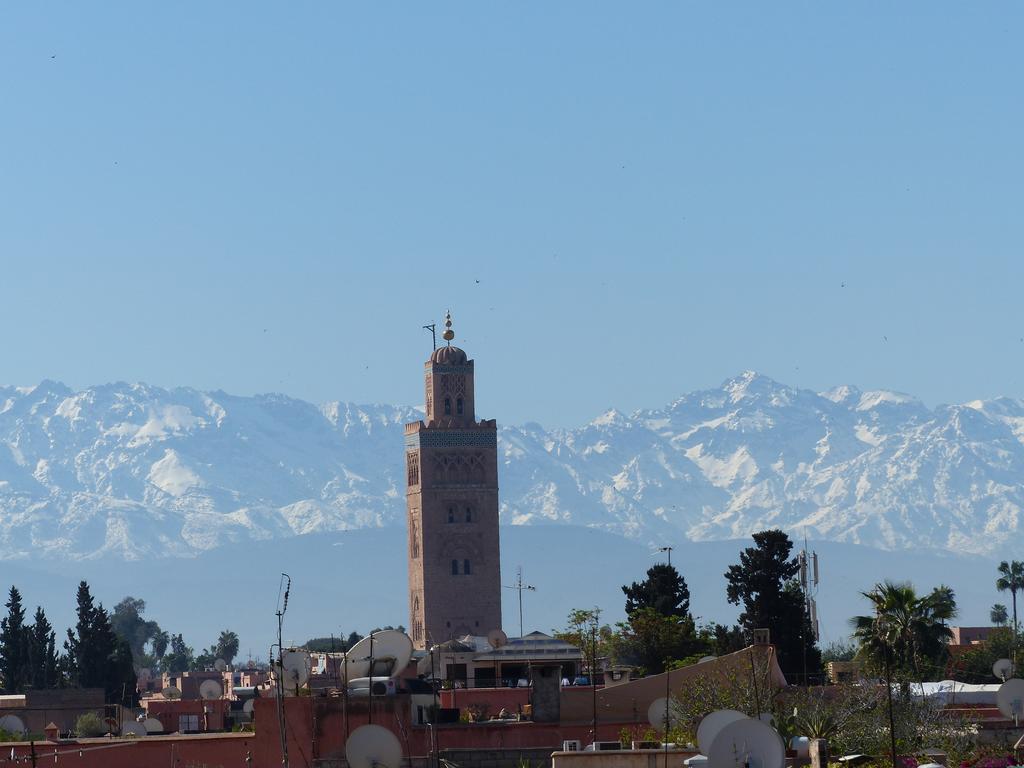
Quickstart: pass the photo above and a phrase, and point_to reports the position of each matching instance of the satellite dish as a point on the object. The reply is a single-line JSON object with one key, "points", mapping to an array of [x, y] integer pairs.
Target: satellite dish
{"points": [[210, 689], [12, 724], [1003, 669], [295, 669], [1010, 698], [712, 724], [496, 638], [704, 659], [373, 746], [133, 729], [657, 711], [748, 742], [170, 692], [388, 645], [220, 665], [249, 705], [152, 725]]}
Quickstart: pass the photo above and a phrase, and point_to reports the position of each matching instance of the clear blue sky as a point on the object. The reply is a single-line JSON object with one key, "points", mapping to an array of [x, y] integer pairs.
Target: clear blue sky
{"points": [[619, 202]]}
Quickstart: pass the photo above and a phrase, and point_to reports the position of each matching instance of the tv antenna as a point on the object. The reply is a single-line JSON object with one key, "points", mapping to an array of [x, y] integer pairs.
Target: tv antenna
{"points": [[809, 584], [433, 332], [519, 586], [284, 588]]}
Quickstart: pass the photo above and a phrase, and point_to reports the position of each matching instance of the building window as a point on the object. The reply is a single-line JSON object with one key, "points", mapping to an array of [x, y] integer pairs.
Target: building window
{"points": [[469, 514], [413, 464], [451, 514], [465, 567], [455, 567], [458, 406], [447, 406]]}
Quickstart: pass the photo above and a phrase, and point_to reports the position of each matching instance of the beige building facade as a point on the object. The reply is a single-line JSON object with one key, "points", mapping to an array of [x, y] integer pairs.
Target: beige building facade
{"points": [[452, 504]]}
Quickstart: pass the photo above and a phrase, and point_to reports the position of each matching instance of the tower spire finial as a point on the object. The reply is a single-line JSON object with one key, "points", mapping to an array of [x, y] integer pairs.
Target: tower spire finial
{"points": [[448, 334]]}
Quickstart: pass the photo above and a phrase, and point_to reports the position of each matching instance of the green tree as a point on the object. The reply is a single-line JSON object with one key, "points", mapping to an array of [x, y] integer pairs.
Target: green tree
{"points": [[128, 624], [180, 658], [723, 640], [906, 629], [664, 590], [44, 669], [159, 643], [14, 664], [584, 630], [655, 642], [94, 656], [839, 650], [998, 615], [1011, 579], [227, 646], [764, 584], [332, 644]]}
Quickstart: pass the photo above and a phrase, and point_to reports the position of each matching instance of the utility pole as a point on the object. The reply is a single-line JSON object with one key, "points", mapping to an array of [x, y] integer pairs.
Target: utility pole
{"points": [[519, 586], [668, 550]]}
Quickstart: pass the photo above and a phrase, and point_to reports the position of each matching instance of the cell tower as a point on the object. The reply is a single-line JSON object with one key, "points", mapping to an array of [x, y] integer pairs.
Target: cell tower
{"points": [[809, 584]]}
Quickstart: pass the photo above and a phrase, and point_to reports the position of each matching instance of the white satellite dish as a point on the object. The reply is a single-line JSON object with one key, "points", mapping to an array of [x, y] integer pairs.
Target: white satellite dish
{"points": [[748, 742], [705, 659], [170, 692], [496, 638], [210, 689], [712, 724], [1003, 669], [220, 665], [388, 646], [152, 725], [372, 746], [12, 724], [295, 669], [249, 706], [133, 729], [1010, 698], [656, 712]]}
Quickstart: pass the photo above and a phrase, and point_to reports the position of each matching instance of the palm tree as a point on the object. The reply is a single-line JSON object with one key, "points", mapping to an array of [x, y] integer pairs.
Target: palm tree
{"points": [[998, 615], [907, 631], [1011, 577]]}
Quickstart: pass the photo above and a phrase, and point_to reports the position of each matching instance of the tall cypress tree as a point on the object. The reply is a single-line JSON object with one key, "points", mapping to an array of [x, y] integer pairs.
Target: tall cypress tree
{"points": [[95, 657], [43, 663], [79, 657], [14, 645]]}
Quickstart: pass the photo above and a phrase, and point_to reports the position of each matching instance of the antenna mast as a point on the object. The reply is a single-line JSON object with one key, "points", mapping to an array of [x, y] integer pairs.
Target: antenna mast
{"points": [[809, 584], [282, 608], [519, 586]]}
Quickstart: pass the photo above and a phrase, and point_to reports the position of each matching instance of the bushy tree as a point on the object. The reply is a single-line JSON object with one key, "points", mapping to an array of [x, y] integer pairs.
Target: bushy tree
{"points": [[180, 658], [129, 625], [764, 584], [664, 590], [332, 644], [584, 630], [655, 642]]}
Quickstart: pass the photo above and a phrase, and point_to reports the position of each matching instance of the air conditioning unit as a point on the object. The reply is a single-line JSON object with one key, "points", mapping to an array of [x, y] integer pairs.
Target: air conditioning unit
{"points": [[607, 746], [572, 745]]}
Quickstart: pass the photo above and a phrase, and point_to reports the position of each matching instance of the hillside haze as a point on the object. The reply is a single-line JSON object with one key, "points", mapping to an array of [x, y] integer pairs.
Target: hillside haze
{"points": [[135, 471]]}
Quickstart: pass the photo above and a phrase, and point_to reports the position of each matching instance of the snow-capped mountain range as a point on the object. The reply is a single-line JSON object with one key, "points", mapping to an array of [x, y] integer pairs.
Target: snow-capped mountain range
{"points": [[137, 471]]}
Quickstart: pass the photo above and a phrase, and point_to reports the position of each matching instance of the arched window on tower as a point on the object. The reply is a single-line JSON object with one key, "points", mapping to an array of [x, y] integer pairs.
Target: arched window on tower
{"points": [[447, 406], [458, 405], [465, 567], [451, 514], [455, 567]]}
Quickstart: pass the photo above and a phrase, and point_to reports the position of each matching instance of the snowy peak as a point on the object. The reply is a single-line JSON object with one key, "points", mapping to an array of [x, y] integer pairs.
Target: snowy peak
{"points": [[135, 471]]}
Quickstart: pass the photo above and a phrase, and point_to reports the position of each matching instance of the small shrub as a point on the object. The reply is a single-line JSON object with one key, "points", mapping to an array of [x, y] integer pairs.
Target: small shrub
{"points": [[90, 724]]}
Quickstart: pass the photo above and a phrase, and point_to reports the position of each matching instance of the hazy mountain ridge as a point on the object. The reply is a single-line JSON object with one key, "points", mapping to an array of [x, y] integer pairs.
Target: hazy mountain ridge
{"points": [[135, 471]]}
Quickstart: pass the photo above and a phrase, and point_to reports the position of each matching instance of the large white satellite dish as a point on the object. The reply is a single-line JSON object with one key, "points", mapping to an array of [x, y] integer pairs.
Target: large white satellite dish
{"points": [[170, 692], [706, 659], [712, 724], [152, 725], [656, 712], [1003, 669], [210, 689], [12, 724], [220, 665], [295, 669], [388, 646], [133, 729], [747, 742], [1010, 698], [372, 746], [496, 638]]}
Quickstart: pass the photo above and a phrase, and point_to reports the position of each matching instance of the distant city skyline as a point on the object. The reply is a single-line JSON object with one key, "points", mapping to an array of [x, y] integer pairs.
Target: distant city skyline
{"points": [[619, 205]]}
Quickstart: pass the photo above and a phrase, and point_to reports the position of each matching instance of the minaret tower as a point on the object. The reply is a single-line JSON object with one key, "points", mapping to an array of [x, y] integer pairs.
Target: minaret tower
{"points": [[452, 501]]}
